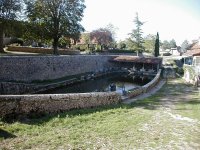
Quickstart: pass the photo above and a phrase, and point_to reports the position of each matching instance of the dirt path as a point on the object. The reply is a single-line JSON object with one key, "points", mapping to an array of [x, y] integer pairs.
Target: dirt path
{"points": [[176, 122]]}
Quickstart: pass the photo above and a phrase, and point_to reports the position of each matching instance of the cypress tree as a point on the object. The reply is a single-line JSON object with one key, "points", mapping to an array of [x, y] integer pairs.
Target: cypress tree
{"points": [[157, 45]]}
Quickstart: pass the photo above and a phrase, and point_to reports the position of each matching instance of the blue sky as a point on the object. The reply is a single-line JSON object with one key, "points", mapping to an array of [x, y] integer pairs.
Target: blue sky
{"points": [[178, 19]]}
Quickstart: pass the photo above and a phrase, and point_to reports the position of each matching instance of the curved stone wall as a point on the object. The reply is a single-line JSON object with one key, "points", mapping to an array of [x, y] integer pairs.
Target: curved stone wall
{"points": [[145, 88], [31, 68], [14, 105]]}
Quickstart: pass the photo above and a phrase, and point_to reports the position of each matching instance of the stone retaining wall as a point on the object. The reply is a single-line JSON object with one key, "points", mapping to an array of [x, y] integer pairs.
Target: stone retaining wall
{"points": [[39, 68], [145, 88], [135, 92], [15, 105], [152, 83], [17, 88]]}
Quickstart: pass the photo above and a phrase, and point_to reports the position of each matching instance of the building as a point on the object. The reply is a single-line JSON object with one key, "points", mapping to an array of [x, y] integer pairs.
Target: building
{"points": [[192, 64]]}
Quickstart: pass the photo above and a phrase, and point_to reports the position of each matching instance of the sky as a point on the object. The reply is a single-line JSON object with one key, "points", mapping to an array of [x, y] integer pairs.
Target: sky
{"points": [[173, 19]]}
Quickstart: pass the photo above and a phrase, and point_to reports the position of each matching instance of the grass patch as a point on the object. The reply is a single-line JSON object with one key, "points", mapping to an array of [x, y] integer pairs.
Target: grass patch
{"points": [[157, 122], [79, 129]]}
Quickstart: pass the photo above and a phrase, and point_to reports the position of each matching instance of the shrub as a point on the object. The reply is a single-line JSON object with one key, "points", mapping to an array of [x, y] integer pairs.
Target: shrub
{"points": [[121, 51], [41, 50], [180, 71], [81, 47]]}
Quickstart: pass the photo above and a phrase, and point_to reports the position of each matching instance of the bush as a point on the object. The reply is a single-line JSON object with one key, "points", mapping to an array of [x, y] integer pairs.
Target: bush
{"points": [[41, 50], [81, 47], [121, 51], [180, 71]]}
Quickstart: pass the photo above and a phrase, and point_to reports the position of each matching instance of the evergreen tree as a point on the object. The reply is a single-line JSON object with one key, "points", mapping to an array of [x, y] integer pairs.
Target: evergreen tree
{"points": [[136, 34], [157, 45]]}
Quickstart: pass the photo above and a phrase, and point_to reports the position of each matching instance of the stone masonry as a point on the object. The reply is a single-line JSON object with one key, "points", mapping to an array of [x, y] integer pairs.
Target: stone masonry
{"points": [[14, 105], [32, 68]]}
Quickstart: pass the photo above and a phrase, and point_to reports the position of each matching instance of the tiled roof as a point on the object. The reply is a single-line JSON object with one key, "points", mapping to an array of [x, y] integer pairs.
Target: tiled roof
{"points": [[137, 59], [194, 50]]}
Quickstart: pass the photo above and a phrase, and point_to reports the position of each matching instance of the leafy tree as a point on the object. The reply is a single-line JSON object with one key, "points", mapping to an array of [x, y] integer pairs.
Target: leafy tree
{"points": [[184, 46], [136, 34], [166, 45], [53, 19], [8, 13], [157, 45], [102, 37], [149, 43], [85, 37], [64, 42], [122, 45], [130, 44], [172, 43], [110, 27]]}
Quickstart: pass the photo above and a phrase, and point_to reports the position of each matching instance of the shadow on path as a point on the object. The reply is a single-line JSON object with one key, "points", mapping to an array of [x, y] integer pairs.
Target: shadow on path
{"points": [[5, 134]]}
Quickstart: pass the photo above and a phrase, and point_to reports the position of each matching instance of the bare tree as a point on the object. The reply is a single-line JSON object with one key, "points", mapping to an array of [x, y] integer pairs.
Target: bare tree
{"points": [[102, 37]]}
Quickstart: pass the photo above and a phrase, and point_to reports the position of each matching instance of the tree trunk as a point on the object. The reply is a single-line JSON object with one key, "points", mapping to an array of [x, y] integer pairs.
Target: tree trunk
{"points": [[1, 39], [55, 46]]}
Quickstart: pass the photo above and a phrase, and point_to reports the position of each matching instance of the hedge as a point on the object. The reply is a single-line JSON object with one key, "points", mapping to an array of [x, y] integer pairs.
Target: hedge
{"points": [[41, 50]]}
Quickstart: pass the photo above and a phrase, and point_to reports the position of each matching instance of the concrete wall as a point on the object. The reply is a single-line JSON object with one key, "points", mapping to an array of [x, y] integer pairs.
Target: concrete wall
{"points": [[15, 105], [30, 68]]}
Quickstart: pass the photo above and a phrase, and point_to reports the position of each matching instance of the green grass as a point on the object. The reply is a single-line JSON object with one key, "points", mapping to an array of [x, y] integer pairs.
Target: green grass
{"points": [[151, 123], [80, 129]]}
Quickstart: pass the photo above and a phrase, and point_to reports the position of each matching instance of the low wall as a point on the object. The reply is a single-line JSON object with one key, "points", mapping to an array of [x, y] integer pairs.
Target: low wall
{"points": [[153, 82], [42, 50], [39, 68], [145, 88], [135, 92], [17, 88], [191, 75], [15, 105]]}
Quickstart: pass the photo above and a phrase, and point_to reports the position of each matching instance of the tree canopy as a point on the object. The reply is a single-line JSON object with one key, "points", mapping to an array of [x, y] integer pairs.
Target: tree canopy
{"points": [[53, 19], [9, 10], [149, 43], [102, 37], [184, 46], [172, 43], [136, 34]]}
